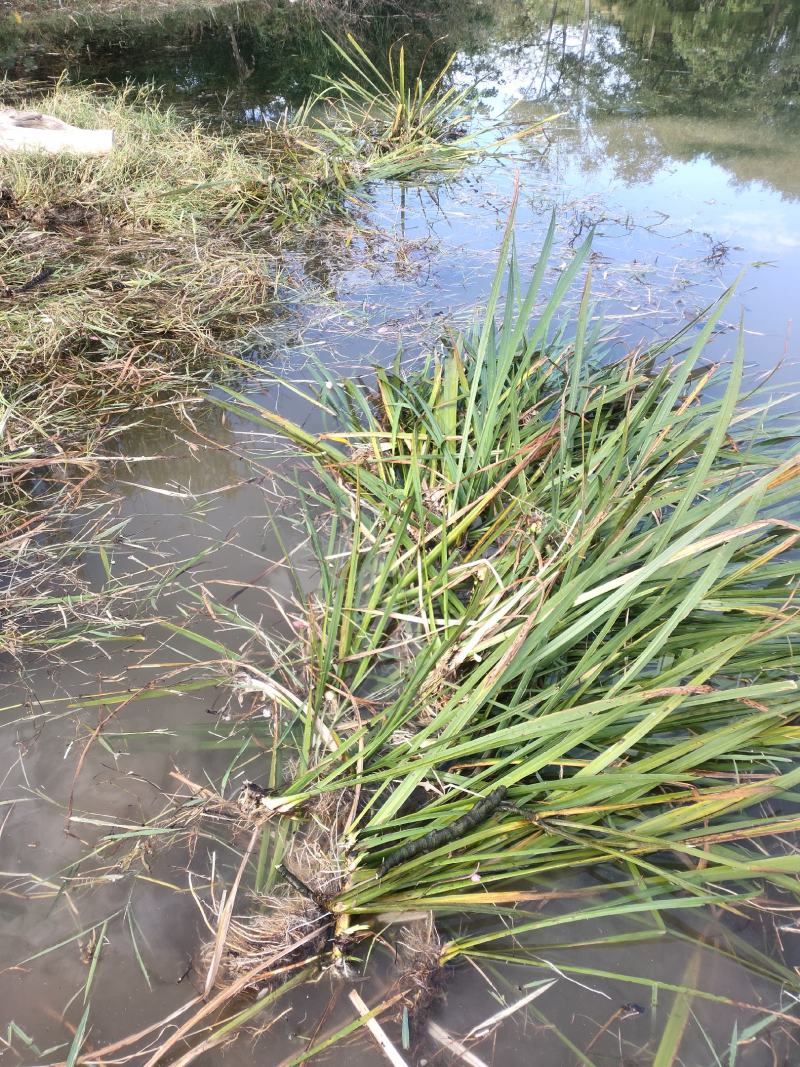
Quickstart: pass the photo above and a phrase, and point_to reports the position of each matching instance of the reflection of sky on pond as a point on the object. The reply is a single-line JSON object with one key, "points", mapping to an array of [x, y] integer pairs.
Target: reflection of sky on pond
{"points": [[681, 204], [666, 245]]}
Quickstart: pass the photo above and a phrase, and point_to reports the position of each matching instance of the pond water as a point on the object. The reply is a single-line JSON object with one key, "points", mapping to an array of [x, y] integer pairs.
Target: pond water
{"points": [[678, 140]]}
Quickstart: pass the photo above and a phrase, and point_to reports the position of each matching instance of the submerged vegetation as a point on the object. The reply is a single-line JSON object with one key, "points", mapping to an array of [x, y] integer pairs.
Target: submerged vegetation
{"points": [[555, 631]]}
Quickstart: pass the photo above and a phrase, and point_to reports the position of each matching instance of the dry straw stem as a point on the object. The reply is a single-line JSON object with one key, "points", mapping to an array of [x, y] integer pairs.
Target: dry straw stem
{"points": [[458, 1050], [377, 1031]]}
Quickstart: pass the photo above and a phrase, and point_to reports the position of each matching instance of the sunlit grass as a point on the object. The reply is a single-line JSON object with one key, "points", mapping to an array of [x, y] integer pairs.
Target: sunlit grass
{"points": [[567, 588]]}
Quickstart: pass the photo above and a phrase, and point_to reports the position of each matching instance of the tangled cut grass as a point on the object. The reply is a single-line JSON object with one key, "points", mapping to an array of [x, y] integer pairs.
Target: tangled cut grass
{"points": [[113, 295], [602, 600]]}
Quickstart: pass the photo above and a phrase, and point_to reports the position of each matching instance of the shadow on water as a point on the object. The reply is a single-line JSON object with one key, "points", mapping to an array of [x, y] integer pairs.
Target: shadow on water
{"points": [[679, 143]]}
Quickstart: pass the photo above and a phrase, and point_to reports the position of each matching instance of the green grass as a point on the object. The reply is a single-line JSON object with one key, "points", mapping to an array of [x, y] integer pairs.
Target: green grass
{"points": [[569, 578], [394, 108]]}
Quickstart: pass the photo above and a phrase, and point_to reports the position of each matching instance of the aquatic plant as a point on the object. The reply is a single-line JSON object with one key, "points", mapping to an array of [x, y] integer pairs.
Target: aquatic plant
{"points": [[404, 122], [546, 680], [394, 107], [555, 631]]}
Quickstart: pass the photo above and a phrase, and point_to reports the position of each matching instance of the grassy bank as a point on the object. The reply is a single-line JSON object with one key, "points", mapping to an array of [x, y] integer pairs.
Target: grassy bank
{"points": [[125, 279], [121, 275], [139, 10], [556, 630], [121, 280]]}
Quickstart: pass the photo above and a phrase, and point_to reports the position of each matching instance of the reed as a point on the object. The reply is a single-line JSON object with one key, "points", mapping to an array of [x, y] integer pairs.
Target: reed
{"points": [[556, 630]]}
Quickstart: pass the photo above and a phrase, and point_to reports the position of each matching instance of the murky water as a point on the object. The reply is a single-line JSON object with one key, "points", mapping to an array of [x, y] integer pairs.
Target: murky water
{"points": [[679, 142]]}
